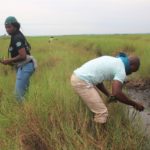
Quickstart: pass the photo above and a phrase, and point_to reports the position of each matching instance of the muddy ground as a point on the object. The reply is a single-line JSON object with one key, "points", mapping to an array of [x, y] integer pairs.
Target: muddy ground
{"points": [[139, 90]]}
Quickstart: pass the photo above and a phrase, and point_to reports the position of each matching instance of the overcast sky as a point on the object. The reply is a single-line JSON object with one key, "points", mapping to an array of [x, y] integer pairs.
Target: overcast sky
{"points": [[57, 17]]}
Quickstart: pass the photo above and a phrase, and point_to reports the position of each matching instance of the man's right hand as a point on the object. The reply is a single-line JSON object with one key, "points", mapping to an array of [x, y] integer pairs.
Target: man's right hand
{"points": [[139, 107], [117, 92]]}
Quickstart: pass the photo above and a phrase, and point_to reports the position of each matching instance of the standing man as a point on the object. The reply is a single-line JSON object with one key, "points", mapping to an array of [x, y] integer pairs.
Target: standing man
{"points": [[90, 76], [21, 59]]}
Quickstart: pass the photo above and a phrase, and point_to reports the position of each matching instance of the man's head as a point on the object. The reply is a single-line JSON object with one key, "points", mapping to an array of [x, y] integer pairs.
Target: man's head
{"points": [[131, 63], [11, 25], [134, 63]]}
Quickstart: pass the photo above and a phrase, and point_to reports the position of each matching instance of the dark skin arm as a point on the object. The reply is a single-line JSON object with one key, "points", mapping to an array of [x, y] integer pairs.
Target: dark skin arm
{"points": [[103, 89], [21, 56], [117, 92]]}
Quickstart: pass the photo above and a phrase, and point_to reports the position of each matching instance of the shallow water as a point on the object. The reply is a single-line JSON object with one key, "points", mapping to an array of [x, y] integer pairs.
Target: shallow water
{"points": [[141, 96]]}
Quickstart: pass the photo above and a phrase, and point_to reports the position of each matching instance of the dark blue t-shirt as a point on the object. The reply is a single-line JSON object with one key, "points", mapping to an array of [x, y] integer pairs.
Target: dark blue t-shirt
{"points": [[18, 41]]}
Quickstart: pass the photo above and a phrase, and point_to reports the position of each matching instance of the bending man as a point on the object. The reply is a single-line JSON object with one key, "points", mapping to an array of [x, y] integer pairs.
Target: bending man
{"points": [[90, 76]]}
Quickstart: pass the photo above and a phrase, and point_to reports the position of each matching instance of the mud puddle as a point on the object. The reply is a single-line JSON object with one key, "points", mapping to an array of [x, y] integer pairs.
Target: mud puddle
{"points": [[140, 91]]}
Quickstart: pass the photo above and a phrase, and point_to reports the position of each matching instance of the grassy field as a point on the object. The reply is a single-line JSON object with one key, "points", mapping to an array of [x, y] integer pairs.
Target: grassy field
{"points": [[53, 117]]}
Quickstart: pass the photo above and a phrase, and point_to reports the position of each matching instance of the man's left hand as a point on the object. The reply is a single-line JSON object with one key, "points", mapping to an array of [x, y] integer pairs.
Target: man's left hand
{"points": [[6, 61]]}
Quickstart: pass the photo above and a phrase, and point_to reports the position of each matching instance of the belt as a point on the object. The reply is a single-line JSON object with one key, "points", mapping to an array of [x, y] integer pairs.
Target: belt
{"points": [[30, 61]]}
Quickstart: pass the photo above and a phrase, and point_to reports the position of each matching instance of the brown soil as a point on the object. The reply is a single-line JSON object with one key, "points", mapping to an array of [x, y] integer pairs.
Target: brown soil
{"points": [[32, 142], [141, 84]]}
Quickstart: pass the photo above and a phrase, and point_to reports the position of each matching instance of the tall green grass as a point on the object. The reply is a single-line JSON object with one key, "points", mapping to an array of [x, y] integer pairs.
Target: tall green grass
{"points": [[53, 117], [112, 44]]}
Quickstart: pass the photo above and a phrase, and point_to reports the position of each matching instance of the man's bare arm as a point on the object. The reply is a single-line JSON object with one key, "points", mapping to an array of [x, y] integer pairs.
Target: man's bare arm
{"points": [[103, 89], [20, 57], [117, 92]]}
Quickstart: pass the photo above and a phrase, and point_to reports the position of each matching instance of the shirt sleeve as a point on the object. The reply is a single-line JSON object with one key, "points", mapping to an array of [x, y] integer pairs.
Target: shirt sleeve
{"points": [[19, 43], [120, 76]]}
